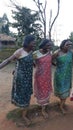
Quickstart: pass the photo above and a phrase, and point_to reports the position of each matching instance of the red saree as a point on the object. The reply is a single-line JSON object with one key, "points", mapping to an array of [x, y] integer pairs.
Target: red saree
{"points": [[42, 79]]}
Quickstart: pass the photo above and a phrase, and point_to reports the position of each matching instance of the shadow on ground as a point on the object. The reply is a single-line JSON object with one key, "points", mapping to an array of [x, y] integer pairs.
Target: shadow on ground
{"points": [[35, 115]]}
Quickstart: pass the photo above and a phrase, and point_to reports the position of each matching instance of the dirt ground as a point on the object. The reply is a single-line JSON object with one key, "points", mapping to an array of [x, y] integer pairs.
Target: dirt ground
{"points": [[56, 120]]}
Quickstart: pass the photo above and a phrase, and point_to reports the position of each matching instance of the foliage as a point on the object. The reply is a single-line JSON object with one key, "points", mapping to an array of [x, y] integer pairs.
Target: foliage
{"points": [[31, 22], [71, 36], [26, 23], [4, 25]]}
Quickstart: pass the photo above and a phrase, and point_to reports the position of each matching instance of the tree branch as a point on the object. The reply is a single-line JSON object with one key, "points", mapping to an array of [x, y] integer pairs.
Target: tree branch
{"points": [[54, 19]]}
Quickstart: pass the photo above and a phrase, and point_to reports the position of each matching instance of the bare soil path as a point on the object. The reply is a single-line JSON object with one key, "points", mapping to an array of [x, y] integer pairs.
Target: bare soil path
{"points": [[56, 120]]}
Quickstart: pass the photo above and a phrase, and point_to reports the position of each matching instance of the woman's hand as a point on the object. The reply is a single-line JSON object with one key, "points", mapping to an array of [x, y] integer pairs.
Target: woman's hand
{"points": [[13, 72]]}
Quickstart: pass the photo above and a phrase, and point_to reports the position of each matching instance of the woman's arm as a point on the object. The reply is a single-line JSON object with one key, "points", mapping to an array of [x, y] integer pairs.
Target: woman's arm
{"points": [[7, 61], [54, 56], [34, 57], [16, 55]]}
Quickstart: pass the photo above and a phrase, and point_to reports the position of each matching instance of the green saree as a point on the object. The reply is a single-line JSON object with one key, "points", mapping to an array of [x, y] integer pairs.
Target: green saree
{"points": [[63, 75]]}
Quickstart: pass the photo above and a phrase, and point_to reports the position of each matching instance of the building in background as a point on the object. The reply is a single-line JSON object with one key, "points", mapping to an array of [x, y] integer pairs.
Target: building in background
{"points": [[6, 41]]}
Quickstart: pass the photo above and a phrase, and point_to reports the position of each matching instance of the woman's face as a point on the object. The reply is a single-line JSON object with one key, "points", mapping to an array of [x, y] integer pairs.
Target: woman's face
{"points": [[68, 45], [32, 45], [48, 46]]}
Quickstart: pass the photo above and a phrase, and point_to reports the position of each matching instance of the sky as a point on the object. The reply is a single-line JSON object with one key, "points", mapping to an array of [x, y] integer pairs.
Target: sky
{"points": [[64, 23]]}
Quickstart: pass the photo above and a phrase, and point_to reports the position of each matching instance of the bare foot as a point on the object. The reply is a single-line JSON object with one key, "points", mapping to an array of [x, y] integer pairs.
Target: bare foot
{"points": [[27, 121], [65, 107], [63, 110], [45, 115], [20, 124]]}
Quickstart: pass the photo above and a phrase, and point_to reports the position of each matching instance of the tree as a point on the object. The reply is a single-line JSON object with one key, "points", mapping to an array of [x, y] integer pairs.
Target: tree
{"points": [[5, 29], [4, 25], [33, 22], [52, 23], [26, 21], [71, 36], [42, 16]]}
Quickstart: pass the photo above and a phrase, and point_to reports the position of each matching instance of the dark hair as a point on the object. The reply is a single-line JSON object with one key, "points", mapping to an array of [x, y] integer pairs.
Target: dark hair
{"points": [[44, 42], [63, 43], [27, 40]]}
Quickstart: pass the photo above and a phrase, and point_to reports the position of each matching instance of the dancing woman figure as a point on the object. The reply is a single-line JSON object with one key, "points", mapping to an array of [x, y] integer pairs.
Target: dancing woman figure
{"points": [[22, 79]]}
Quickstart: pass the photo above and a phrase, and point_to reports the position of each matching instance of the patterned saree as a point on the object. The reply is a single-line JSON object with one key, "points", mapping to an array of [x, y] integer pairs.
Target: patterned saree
{"points": [[22, 82], [42, 80], [63, 75]]}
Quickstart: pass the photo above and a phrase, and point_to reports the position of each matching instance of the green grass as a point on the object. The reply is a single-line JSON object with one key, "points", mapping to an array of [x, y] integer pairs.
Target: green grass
{"points": [[16, 114], [5, 53]]}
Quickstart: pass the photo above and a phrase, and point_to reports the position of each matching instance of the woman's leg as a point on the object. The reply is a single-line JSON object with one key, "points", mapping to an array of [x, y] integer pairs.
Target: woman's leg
{"points": [[24, 115], [44, 113], [62, 103]]}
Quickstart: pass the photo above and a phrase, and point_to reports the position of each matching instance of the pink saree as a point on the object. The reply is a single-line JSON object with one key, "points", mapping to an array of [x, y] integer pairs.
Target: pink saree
{"points": [[42, 79]]}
